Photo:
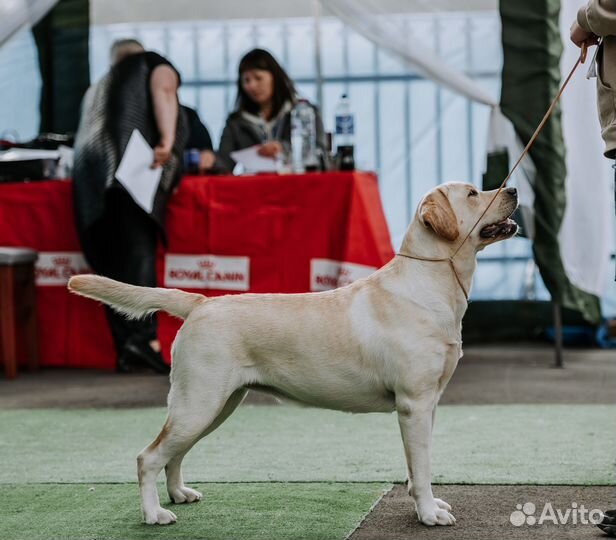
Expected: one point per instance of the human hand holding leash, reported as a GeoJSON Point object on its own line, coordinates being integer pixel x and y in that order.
{"type": "Point", "coordinates": [581, 37]}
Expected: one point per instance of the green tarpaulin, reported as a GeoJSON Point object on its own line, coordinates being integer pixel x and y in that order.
{"type": "Point", "coordinates": [62, 40]}
{"type": "Point", "coordinates": [531, 78]}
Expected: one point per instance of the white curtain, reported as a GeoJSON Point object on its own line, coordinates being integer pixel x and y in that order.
{"type": "Point", "coordinates": [370, 21]}
{"type": "Point", "coordinates": [587, 233]}
{"type": "Point", "coordinates": [15, 14]}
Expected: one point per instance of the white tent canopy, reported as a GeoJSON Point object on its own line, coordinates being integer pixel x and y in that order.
{"type": "Point", "coordinates": [371, 21]}
{"type": "Point", "coordinates": [121, 11]}
{"type": "Point", "coordinates": [15, 14]}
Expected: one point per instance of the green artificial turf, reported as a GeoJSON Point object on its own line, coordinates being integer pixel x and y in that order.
{"type": "Point", "coordinates": [485, 444]}
{"type": "Point", "coordinates": [228, 511]}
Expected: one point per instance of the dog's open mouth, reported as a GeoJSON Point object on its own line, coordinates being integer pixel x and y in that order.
{"type": "Point", "coordinates": [502, 229]}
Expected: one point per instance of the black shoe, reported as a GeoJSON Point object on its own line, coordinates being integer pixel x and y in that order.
{"type": "Point", "coordinates": [147, 356]}
{"type": "Point", "coordinates": [128, 362]}
{"type": "Point", "coordinates": [608, 524]}
{"type": "Point", "coordinates": [124, 363]}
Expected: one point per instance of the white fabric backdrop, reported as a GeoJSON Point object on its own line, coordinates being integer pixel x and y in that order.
{"type": "Point", "coordinates": [14, 14]}
{"type": "Point", "coordinates": [369, 20]}
{"type": "Point", "coordinates": [587, 233]}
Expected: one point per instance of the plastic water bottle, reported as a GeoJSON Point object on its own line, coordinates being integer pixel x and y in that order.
{"type": "Point", "coordinates": [303, 138]}
{"type": "Point", "coordinates": [345, 134]}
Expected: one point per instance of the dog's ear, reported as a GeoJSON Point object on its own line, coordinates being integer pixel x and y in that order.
{"type": "Point", "coordinates": [436, 212]}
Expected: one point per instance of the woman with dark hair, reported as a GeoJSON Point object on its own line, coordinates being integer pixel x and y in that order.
{"type": "Point", "coordinates": [262, 116]}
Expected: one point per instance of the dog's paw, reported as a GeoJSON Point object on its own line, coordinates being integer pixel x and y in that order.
{"type": "Point", "coordinates": [434, 515]}
{"type": "Point", "coordinates": [160, 517]}
{"type": "Point", "coordinates": [442, 504]}
{"type": "Point", "coordinates": [184, 495]}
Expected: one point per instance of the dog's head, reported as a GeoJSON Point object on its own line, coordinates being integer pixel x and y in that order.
{"type": "Point", "coordinates": [451, 210]}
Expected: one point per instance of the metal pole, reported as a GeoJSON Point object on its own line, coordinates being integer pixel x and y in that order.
{"type": "Point", "coordinates": [317, 50]}
{"type": "Point", "coordinates": [558, 336]}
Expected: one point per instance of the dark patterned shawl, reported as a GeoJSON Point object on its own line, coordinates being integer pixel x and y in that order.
{"type": "Point", "coordinates": [111, 109]}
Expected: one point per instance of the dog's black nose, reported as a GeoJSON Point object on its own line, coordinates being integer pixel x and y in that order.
{"type": "Point", "coordinates": [512, 191]}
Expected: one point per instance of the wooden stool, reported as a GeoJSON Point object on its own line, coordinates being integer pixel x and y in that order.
{"type": "Point", "coordinates": [17, 308]}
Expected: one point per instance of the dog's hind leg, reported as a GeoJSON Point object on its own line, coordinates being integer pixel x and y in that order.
{"type": "Point", "coordinates": [178, 492]}
{"type": "Point", "coordinates": [187, 421]}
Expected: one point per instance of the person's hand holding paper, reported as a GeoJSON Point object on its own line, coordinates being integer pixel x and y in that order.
{"type": "Point", "coordinates": [136, 174]}
{"type": "Point", "coordinates": [252, 161]}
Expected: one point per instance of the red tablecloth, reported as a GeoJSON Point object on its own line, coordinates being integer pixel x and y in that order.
{"type": "Point", "coordinates": [262, 233]}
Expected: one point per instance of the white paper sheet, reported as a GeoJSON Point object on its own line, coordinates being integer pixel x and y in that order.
{"type": "Point", "coordinates": [252, 161]}
{"type": "Point", "coordinates": [135, 172]}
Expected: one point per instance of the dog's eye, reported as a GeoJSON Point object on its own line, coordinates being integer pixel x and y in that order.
{"type": "Point", "coordinates": [473, 193]}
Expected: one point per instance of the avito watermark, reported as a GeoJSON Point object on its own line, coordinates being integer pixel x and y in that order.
{"type": "Point", "coordinates": [574, 515]}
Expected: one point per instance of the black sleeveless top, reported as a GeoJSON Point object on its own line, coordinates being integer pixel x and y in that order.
{"type": "Point", "coordinates": [113, 107]}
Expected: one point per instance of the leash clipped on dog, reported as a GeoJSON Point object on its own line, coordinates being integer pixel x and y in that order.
{"type": "Point", "coordinates": [581, 59]}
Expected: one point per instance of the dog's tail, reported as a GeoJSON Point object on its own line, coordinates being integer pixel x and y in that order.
{"type": "Point", "coordinates": [133, 301]}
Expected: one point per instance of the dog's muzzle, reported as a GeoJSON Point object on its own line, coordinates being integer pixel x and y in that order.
{"type": "Point", "coordinates": [507, 227]}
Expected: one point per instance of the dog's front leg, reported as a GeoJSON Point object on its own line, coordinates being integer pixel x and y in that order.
{"type": "Point", "coordinates": [415, 419]}
{"type": "Point", "coordinates": [440, 502]}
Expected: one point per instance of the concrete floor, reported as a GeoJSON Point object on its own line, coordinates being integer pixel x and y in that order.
{"type": "Point", "coordinates": [484, 512]}
{"type": "Point", "coordinates": [485, 375]}
{"type": "Point", "coordinates": [526, 374]}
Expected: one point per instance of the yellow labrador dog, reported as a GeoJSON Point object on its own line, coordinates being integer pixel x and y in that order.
{"type": "Point", "coordinates": [389, 342]}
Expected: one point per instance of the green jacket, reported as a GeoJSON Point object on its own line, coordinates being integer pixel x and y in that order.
{"type": "Point", "coordinates": [599, 17]}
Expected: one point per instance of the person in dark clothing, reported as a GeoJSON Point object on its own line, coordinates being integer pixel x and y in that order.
{"type": "Point", "coordinates": [262, 116]}
{"type": "Point", "coordinates": [198, 135]}
{"type": "Point", "coordinates": [199, 139]}
{"type": "Point", "coordinates": [117, 236]}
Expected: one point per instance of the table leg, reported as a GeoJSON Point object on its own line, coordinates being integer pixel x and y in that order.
{"type": "Point", "coordinates": [8, 350]}
{"type": "Point", "coordinates": [31, 330]}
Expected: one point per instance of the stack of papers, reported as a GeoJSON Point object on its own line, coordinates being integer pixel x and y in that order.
{"type": "Point", "coordinates": [28, 154]}
{"type": "Point", "coordinates": [252, 162]}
